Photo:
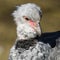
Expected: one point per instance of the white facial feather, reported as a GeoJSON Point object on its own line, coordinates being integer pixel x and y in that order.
{"type": "Point", "coordinates": [33, 12]}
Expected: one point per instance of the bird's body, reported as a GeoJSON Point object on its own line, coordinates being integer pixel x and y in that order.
{"type": "Point", "coordinates": [28, 45]}
{"type": "Point", "coordinates": [36, 51]}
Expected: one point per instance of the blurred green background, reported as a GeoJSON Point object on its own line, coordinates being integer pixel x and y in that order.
{"type": "Point", "coordinates": [50, 21]}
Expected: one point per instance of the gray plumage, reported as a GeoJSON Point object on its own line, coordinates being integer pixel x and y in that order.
{"type": "Point", "coordinates": [39, 51]}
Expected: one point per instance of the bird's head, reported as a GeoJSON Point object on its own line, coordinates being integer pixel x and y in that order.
{"type": "Point", "coordinates": [27, 18]}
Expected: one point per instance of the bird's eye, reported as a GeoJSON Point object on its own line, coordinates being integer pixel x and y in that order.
{"type": "Point", "coordinates": [26, 18]}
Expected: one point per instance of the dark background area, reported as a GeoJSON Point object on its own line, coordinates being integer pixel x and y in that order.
{"type": "Point", "coordinates": [50, 21]}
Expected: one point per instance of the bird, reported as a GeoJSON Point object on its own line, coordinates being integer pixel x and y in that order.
{"type": "Point", "coordinates": [29, 44]}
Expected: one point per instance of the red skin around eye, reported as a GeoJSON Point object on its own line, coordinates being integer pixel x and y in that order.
{"type": "Point", "coordinates": [32, 23]}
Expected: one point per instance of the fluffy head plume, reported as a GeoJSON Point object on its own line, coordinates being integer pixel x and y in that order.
{"type": "Point", "coordinates": [30, 10]}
